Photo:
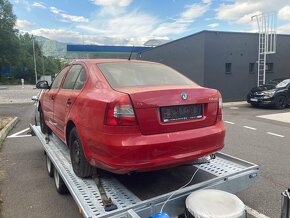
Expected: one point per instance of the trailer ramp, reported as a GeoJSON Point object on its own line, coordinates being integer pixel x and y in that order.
{"type": "Point", "coordinates": [224, 172]}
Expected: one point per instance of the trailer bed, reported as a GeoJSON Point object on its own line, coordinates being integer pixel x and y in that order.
{"type": "Point", "coordinates": [143, 194]}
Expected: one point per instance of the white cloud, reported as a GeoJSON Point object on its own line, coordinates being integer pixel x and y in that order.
{"type": "Point", "coordinates": [22, 24]}
{"type": "Point", "coordinates": [38, 5]}
{"type": "Point", "coordinates": [135, 27]}
{"type": "Point", "coordinates": [55, 10]}
{"type": "Point", "coordinates": [240, 11]}
{"type": "Point", "coordinates": [181, 24]}
{"type": "Point", "coordinates": [67, 17]}
{"type": "Point", "coordinates": [68, 36]}
{"type": "Point", "coordinates": [285, 29]}
{"type": "Point", "coordinates": [25, 3]}
{"type": "Point", "coordinates": [207, 1]}
{"type": "Point", "coordinates": [119, 3]}
{"type": "Point", "coordinates": [192, 12]}
{"type": "Point", "coordinates": [213, 25]}
{"type": "Point", "coordinates": [284, 13]}
{"type": "Point", "coordinates": [122, 26]}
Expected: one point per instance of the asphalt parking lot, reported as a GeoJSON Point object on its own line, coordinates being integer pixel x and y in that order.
{"type": "Point", "coordinates": [27, 191]}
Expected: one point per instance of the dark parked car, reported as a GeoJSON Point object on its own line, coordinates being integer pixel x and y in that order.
{"type": "Point", "coordinates": [274, 93]}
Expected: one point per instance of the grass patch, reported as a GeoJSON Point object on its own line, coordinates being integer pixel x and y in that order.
{"type": "Point", "coordinates": [4, 121]}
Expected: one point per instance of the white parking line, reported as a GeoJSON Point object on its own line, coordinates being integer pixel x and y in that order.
{"type": "Point", "coordinates": [248, 127]}
{"type": "Point", "coordinates": [274, 134]}
{"type": "Point", "coordinates": [234, 108]}
{"type": "Point", "coordinates": [17, 135]}
{"type": "Point", "coordinates": [255, 213]}
{"type": "Point", "coordinates": [229, 122]}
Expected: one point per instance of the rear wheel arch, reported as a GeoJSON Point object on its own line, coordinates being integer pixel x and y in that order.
{"type": "Point", "coordinates": [69, 126]}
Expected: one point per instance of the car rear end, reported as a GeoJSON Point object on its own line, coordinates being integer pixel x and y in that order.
{"type": "Point", "coordinates": [160, 120]}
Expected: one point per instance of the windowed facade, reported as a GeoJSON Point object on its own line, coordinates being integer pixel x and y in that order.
{"type": "Point", "coordinates": [269, 68]}
{"type": "Point", "coordinates": [251, 67]}
{"type": "Point", "coordinates": [228, 68]}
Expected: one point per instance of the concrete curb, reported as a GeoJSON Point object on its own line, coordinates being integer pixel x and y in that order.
{"type": "Point", "coordinates": [236, 103]}
{"type": "Point", "coordinates": [4, 132]}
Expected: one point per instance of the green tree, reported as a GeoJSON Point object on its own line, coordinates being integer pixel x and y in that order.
{"type": "Point", "coordinates": [8, 37]}
{"type": "Point", "coordinates": [16, 50]}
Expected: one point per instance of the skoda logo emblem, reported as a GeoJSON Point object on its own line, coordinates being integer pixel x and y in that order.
{"type": "Point", "coordinates": [183, 96]}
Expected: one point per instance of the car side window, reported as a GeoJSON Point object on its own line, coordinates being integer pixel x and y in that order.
{"type": "Point", "coordinates": [71, 77]}
{"type": "Point", "coordinates": [57, 81]}
{"type": "Point", "coordinates": [81, 80]}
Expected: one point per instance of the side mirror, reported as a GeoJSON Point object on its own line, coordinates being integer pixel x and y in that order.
{"type": "Point", "coordinates": [34, 98]}
{"type": "Point", "coordinates": [42, 85]}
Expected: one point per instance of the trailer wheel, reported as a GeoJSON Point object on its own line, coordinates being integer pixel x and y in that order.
{"type": "Point", "coordinates": [44, 128]}
{"type": "Point", "coordinates": [59, 183]}
{"type": "Point", "coordinates": [79, 162]}
{"type": "Point", "coordinates": [49, 166]}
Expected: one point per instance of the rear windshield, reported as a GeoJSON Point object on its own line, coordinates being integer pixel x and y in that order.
{"type": "Point", "coordinates": [131, 74]}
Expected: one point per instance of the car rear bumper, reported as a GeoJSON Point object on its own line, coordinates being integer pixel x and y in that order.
{"type": "Point", "coordinates": [138, 153]}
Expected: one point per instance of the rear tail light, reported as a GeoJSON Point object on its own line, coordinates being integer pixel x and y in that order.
{"type": "Point", "coordinates": [220, 107]}
{"type": "Point", "coordinates": [120, 113]}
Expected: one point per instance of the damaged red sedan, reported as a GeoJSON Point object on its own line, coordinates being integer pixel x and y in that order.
{"type": "Point", "coordinates": [130, 116]}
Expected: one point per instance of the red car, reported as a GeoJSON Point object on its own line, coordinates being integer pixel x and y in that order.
{"type": "Point", "coordinates": [130, 116]}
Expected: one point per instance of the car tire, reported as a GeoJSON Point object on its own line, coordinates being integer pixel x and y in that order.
{"type": "Point", "coordinates": [280, 102]}
{"type": "Point", "coordinates": [59, 183]}
{"type": "Point", "coordinates": [79, 162]}
{"type": "Point", "coordinates": [49, 166]}
{"type": "Point", "coordinates": [44, 128]}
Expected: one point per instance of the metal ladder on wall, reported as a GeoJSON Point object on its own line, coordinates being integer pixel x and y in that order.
{"type": "Point", "coordinates": [262, 57]}
{"type": "Point", "coordinates": [267, 26]}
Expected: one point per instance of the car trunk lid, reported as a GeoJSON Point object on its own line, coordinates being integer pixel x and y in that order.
{"type": "Point", "coordinates": [173, 108]}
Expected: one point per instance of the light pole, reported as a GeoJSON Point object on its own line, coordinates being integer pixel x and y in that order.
{"type": "Point", "coordinates": [34, 59]}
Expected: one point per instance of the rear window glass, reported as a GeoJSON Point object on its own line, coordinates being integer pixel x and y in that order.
{"type": "Point", "coordinates": [131, 74]}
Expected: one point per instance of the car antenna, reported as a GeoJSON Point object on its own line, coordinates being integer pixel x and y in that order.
{"type": "Point", "coordinates": [131, 53]}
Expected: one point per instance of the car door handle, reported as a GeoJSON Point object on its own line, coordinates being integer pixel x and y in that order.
{"type": "Point", "coordinates": [69, 101]}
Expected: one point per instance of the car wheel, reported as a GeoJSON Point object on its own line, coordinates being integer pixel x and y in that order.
{"type": "Point", "coordinates": [44, 128]}
{"type": "Point", "coordinates": [59, 183]}
{"type": "Point", "coordinates": [280, 102]}
{"type": "Point", "coordinates": [79, 162]}
{"type": "Point", "coordinates": [49, 166]}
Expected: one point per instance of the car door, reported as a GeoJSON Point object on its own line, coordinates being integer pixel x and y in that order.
{"type": "Point", "coordinates": [65, 97]}
{"type": "Point", "coordinates": [49, 96]}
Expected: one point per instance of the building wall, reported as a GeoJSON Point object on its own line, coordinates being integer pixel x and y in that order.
{"type": "Point", "coordinates": [202, 57]}
{"type": "Point", "coordinates": [237, 49]}
{"type": "Point", "coordinates": [240, 49]}
{"type": "Point", "coordinates": [184, 55]}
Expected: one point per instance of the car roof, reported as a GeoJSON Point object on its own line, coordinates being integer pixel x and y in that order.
{"type": "Point", "coordinates": [99, 61]}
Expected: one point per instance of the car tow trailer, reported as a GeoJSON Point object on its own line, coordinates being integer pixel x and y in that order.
{"type": "Point", "coordinates": [224, 173]}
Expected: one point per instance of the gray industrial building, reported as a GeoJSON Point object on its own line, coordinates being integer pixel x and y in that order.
{"type": "Point", "coordinates": [226, 61]}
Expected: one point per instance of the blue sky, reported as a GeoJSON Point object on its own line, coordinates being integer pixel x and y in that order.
{"type": "Point", "coordinates": [133, 22]}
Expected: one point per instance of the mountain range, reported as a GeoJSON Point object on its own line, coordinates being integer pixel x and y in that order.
{"type": "Point", "coordinates": [51, 47]}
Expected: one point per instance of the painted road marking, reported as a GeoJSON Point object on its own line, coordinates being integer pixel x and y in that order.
{"type": "Point", "coordinates": [17, 135]}
{"type": "Point", "coordinates": [255, 213]}
{"type": "Point", "coordinates": [234, 108]}
{"type": "Point", "coordinates": [248, 127]}
{"type": "Point", "coordinates": [281, 117]}
{"type": "Point", "coordinates": [274, 134]}
{"type": "Point", "coordinates": [229, 122]}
